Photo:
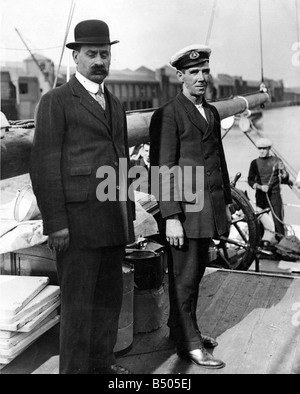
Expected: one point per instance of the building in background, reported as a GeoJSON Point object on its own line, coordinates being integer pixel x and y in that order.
{"type": "Point", "coordinates": [23, 84]}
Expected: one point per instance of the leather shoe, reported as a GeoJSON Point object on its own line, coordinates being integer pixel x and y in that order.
{"type": "Point", "coordinates": [206, 340]}
{"type": "Point", "coordinates": [202, 358]}
{"type": "Point", "coordinates": [113, 369]}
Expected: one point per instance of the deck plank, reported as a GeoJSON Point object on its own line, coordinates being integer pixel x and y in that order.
{"type": "Point", "coordinates": [255, 358]}
{"type": "Point", "coordinates": [234, 329]}
{"type": "Point", "coordinates": [283, 351]}
{"type": "Point", "coordinates": [252, 315]}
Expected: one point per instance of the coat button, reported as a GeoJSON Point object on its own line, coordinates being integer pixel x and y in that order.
{"type": "Point", "coordinates": [118, 188]}
{"type": "Point", "coordinates": [208, 173]}
{"type": "Point", "coordinates": [116, 163]}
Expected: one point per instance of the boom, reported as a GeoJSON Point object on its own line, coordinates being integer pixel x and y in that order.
{"type": "Point", "coordinates": [16, 144]}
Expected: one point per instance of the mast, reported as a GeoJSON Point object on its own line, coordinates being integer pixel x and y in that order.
{"type": "Point", "coordinates": [32, 55]}
{"type": "Point", "coordinates": [71, 13]}
{"type": "Point", "coordinates": [297, 21]}
{"type": "Point", "coordinates": [211, 23]}
{"type": "Point", "coordinates": [261, 46]}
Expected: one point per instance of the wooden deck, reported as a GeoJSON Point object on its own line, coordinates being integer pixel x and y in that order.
{"type": "Point", "coordinates": [255, 318]}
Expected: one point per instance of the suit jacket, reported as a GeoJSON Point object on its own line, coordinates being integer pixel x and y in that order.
{"type": "Point", "coordinates": [73, 139]}
{"type": "Point", "coordinates": [180, 136]}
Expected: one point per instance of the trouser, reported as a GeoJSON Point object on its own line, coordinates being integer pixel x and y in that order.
{"type": "Point", "coordinates": [186, 268]}
{"type": "Point", "coordinates": [278, 218]}
{"type": "Point", "coordinates": [91, 297]}
{"type": "Point", "coordinates": [276, 208]}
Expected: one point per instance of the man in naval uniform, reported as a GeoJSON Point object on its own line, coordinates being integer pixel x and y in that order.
{"type": "Point", "coordinates": [185, 133]}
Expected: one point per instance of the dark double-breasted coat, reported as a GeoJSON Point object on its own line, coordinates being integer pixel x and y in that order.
{"type": "Point", "coordinates": [180, 136]}
{"type": "Point", "coordinates": [73, 139]}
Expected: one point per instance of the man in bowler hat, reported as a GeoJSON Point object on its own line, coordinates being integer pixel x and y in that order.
{"type": "Point", "coordinates": [185, 133]}
{"type": "Point", "coordinates": [80, 128]}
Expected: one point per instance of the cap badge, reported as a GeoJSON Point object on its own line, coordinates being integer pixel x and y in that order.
{"type": "Point", "coordinates": [194, 55]}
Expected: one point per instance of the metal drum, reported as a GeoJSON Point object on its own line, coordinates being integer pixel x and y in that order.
{"type": "Point", "coordinates": [148, 268]}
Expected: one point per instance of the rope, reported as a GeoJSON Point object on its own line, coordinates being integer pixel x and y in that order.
{"type": "Point", "coordinates": [211, 23]}
{"type": "Point", "coordinates": [289, 167]}
{"type": "Point", "coordinates": [297, 21]}
{"type": "Point", "coordinates": [270, 204]}
{"type": "Point", "coordinates": [261, 46]}
{"type": "Point", "coordinates": [287, 226]}
{"type": "Point", "coordinates": [246, 101]}
{"type": "Point", "coordinates": [65, 39]}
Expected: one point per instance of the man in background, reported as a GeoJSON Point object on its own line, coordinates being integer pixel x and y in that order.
{"type": "Point", "coordinates": [142, 182]}
{"type": "Point", "coordinates": [266, 174]}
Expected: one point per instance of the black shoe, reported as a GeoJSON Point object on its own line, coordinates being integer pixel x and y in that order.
{"type": "Point", "coordinates": [113, 369]}
{"type": "Point", "coordinates": [202, 358]}
{"type": "Point", "coordinates": [206, 340]}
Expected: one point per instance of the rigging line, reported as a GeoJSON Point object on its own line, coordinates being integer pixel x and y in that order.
{"type": "Point", "coordinates": [275, 151]}
{"type": "Point", "coordinates": [297, 21]}
{"type": "Point", "coordinates": [71, 13]}
{"type": "Point", "coordinates": [36, 49]}
{"type": "Point", "coordinates": [211, 23]}
{"type": "Point", "coordinates": [32, 54]}
{"type": "Point", "coordinates": [261, 46]}
{"type": "Point", "coordinates": [291, 169]}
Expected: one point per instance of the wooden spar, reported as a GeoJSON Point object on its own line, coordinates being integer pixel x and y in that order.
{"type": "Point", "coordinates": [138, 122]}
{"type": "Point", "coordinates": [16, 145]}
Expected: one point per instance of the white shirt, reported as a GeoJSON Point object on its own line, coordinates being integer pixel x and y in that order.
{"type": "Point", "coordinates": [90, 86]}
{"type": "Point", "coordinates": [201, 110]}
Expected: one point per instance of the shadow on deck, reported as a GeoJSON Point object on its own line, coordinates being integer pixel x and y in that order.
{"type": "Point", "coordinates": [255, 318]}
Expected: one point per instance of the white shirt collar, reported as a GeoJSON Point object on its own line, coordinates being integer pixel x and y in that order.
{"type": "Point", "coordinates": [89, 85]}
{"type": "Point", "coordinates": [200, 108]}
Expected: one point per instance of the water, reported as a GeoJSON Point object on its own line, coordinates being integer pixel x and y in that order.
{"type": "Point", "coordinates": [282, 126]}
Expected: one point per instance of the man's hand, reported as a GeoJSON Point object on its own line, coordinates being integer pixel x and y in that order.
{"type": "Point", "coordinates": [265, 188]}
{"type": "Point", "coordinates": [174, 232]}
{"type": "Point", "coordinates": [59, 240]}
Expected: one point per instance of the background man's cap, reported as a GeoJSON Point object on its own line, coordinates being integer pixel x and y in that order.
{"type": "Point", "coordinates": [91, 32]}
{"type": "Point", "coordinates": [190, 56]}
{"type": "Point", "coordinates": [264, 143]}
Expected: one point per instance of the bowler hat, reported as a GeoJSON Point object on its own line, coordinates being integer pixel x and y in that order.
{"type": "Point", "coordinates": [91, 32]}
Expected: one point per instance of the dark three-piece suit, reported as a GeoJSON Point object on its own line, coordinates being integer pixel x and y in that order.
{"type": "Point", "coordinates": [74, 137]}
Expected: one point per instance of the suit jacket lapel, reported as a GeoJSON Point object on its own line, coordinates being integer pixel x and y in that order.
{"type": "Point", "coordinates": [210, 119]}
{"type": "Point", "coordinates": [113, 112]}
{"type": "Point", "coordinates": [89, 102]}
{"type": "Point", "coordinates": [196, 118]}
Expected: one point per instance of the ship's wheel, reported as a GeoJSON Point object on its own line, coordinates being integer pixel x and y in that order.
{"type": "Point", "coordinates": [238, 249]}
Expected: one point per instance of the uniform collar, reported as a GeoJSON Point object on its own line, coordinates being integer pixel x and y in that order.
{"type": "Point", "coordinates": [89, 85]}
